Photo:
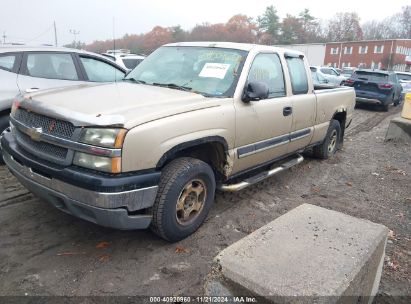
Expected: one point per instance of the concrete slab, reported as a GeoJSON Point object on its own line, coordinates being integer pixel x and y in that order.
{"type": "Point", "coordinates": [399, 130]}
{"type": "Point", "coordinates": [318, 254]}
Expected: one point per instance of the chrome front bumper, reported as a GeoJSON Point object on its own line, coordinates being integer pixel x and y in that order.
{"type": "Point", "coordinates": [106, 209]}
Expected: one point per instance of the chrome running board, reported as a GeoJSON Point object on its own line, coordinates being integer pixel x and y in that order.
{"type": "Point", "coordinates": [261, 176]}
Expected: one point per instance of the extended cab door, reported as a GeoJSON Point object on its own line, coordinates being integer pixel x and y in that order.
{"type": "Point", "coordinates": [303, 102]}
{"type": "Point", "coordinates": [46, 70]}
{"type": "Point", "coordinates": [263, 127]}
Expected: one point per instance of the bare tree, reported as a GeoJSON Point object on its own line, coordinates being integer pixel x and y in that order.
{"type": "Point", "coordinates": [344, 27]}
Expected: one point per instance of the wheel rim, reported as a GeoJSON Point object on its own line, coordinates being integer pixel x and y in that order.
{"type": "Point", "coordinates": [191, 201]}
{"type": "Point", "coordinates": [333, 141]}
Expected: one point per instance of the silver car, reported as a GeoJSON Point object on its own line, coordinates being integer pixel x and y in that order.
{"type": "Point", "coordinates": [26, 69]}
{"type": "Point", "coordinates": [330, 74]}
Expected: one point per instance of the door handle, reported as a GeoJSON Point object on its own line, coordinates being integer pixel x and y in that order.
{"type": "Point", "coordinates": [287, 111]}
{"type": "Point", "coordinates": [32, 90]}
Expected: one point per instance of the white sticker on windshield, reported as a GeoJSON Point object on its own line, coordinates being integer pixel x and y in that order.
{"type": "Point", "coordinates": [214, 70]}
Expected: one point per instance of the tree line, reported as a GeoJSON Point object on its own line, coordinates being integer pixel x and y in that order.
{"type": "Point", "coordinates": [268, 28]}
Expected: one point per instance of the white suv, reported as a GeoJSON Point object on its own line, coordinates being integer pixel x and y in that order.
{"type": "Point", "coordinates": [124, 58]}
{"type": "Point", "coordinates": [330, 74]}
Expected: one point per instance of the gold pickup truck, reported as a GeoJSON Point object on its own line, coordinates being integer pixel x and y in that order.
{"type": "Point", "coordinates": [191, 118]}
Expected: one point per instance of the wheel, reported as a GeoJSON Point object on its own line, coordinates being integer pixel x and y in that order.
{"type": "Point", "coordinates": [4, 124]}
{"type": "Point", "coordinates": [398, 101]}
{"type": "Point", "coordinates": [184, 198]}
{"type": "Point", "coordinates": [331, 142]}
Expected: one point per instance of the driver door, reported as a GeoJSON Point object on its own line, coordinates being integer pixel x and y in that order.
{"type": "Point", "coordinates": [263, 127]}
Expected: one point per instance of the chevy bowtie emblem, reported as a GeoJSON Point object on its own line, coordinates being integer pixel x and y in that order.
{"type": "Point", "coordinates": [35, 133]}
{"type": "Point", "coordinates": [52, 125]}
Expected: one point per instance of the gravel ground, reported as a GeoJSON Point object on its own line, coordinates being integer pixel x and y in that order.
{"type": "Point", "coordinates": [46, 252]}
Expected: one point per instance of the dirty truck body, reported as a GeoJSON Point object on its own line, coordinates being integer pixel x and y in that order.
{"type": "Point", "coordinates": [190, 119]}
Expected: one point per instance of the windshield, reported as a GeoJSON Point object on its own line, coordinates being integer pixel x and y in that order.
{"type": "Point", "coordinates": [208, 71]}
{"type": "Point", "coordinates": [406, 77]}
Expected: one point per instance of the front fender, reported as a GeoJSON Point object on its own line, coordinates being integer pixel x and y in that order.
{"type": "Point", "coordinates": [146, 145]}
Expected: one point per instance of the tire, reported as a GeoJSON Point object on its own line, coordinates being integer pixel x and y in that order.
{"type": "Point", "coordinates": [184, 198]}
{"type": "Point", "coordinates": [331, 142]}
{"type": "Point", "coordinates": [398, 101]}
{"type": "Point", "coordinates": [4, 124]}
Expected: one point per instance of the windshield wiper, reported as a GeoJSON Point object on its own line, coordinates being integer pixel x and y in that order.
{"type": "Point", "coordinates": [135, 80]}
{"type": "Point", "coordinates": [172, 86]}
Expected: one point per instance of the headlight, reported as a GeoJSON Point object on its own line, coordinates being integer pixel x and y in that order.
{"type": "Point", "coordinates": [110, 138]}
{"type": "Point", "coordinates": [105, 164]}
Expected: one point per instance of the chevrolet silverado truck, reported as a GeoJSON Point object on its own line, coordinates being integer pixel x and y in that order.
{"type": "Point", "coordinates": [192, 118]}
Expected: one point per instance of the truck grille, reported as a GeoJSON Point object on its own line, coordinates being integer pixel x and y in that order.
{"type": "Point", "coordinates": [41, 149]}
{"type": "Point", "coordinates": [49, 125]}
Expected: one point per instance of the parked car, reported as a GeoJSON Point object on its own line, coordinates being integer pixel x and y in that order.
{"type": "Point", "coordinates": [339, 71]}
{"type": "Point", "coordinates": [319, 81]}
{"type": "Point", "coordinates": [124, 58]}
{"type": "Point", "coordinates": [331, 75]}
{"type": "Point", "coordinates": [405, 80]}
{"type": "Point", "coordinates": [376, 87]}
{"type": "Point", "coordinates": [192, 117]}
{"type": "Point", "coordinates": [404, 77]}
{"type": "Point", "coordinates": [25, 69]}
{"type": "Point", "coordinates": [348, 71]}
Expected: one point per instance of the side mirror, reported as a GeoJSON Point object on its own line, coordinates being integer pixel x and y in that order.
{"type": "Point", "coordinates": [255, 90]}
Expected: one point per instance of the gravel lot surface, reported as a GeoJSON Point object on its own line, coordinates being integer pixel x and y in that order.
{"type": "Point", "coordinates": [46, 252]}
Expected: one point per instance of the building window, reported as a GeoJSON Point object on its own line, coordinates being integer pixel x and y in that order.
{"type": "Point", "coordinates": [334, 51]}
{"type": "Point", "coordinates": [348, 50]}
{"type": "Point", "coordinates": [363, 50]}
{"type": "Point", "coordinates": [379, 65]}
{"type": "Point", "coordinates": [335, 64]}
{"type": "Point", "coordinates": [343, 65]}
{"type": "Point", "coordinates": [378, 49]}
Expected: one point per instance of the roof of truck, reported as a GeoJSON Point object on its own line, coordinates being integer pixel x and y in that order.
{"type": "Point", "coordinates": [233, 45]}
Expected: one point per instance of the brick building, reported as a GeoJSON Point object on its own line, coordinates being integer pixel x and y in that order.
{"type": "Point", "coordinates": [379, 54]}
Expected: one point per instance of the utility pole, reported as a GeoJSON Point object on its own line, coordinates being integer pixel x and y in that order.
{"type": "Point", "coordinates": [4, 37]}
{"type": "Point", "coordinates": [55, 33]}
{"type": "Point", "coordinates": [75, 33]}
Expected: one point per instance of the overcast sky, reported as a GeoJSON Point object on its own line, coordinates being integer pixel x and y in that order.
{"type": "Point", "coordinates": [30, 21]}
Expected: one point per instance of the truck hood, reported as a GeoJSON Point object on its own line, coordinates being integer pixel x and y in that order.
{"type": "Point", "coordinates": [119, 104]}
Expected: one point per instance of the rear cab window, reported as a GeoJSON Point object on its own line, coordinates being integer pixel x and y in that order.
{"type": "Point", "coordinates": [51, 66]}
{"type": "Point", "coordinates": [298, 74]}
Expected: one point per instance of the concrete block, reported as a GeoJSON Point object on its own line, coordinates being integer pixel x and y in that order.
{"type": "Point", "coordinates": [399, 130]}
{"type": "Point", "coordinates": [308, 255]}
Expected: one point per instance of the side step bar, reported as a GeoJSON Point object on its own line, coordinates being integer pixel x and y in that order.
{"type": "Point", "coordinates": [261, 176]}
